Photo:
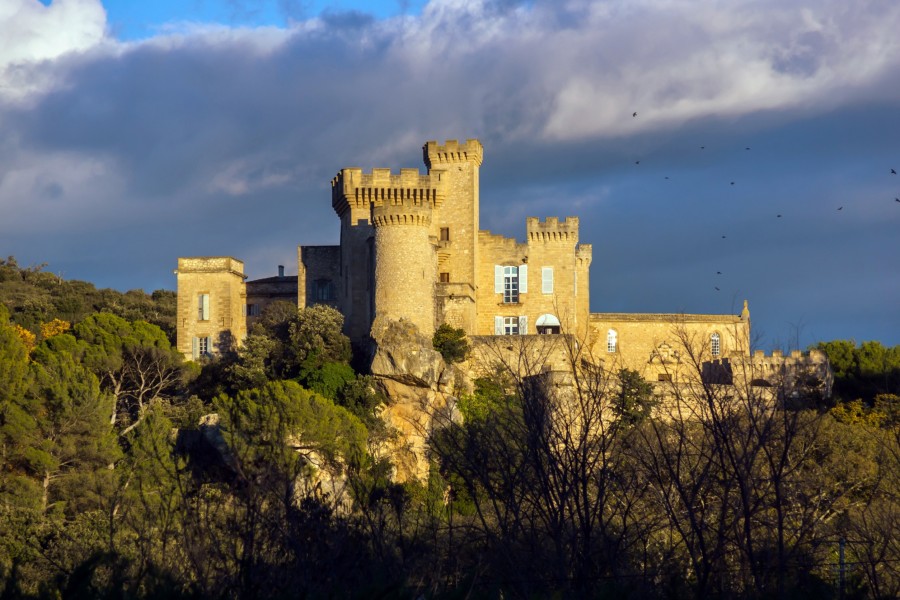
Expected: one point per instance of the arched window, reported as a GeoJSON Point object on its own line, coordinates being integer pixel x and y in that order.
{"type": "Point", "coordinates": [612, 339]}
{"type": "Point", "coordinates": [715, 344]}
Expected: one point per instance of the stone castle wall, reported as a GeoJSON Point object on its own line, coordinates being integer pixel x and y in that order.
{"type": "Point", "coordinates": [658, 345]}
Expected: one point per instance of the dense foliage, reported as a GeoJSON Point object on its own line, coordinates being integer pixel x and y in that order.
{"type": "Point", "coordinates": [35, 297]}
{"type": "Point", "coordinates": [127, 472]}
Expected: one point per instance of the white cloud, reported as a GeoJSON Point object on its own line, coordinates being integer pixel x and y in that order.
{"type": "Point", "coordinates": [32, 33]}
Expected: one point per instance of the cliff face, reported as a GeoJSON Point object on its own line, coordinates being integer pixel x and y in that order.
{"type": "Point", "coordinates": [421, 389]}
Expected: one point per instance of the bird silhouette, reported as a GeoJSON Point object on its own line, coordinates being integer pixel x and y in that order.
{"type": "Point", "coordinates": [717, 289]}
{"type": "Point", "coordinates": [637, 162]}
{"type": "Point", "coordinates": [896, 199]}
{"type": "Point", "coordinates": [747, 148]}
{"type": "Point", "coordinates": [634, 114]}
{"type": "Point", "coordinates": [723, 237]}
{"type": "Point", "coordinates": [841, 208]}
{"type": "Point", "coordinates": [702, 147]}
{"type": "Point", "coordinates": [732, 183]}
{"type": "Point", "coordinates": [779, 216]}
{"type": "Point", "coordinates": [893, 172]}
{"type": "Point", "coordinates": [667, 176]}
{"type": "Point", "coordinates": [718, 272]}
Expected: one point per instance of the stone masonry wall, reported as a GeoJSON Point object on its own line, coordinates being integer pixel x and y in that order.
{"type": "Point", "coordinates": [223, 279]}
{"type": "Point", "coordinates": [654, 344]}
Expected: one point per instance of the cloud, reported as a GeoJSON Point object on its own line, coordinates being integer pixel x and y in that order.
{"type": "Point", "coordinates": [33, 33]}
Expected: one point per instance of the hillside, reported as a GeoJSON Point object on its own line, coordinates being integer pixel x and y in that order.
{"type": "Point", "coordinates": [34, 296]}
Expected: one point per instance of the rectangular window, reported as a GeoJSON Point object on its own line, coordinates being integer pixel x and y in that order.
{"type": "Point", "coordinates": [510, 325]}
{"type": "Point", "coordinates": [547, 280]}
{"type": "Point", "coordinates": [324, 290]}
{"type": "Point", "coordinates": [510, 285]}
{"type": "Point", "coordinates": [664, 377]}
{"type": "Point", "coordinates": [445, 234]}
{"type": "Point", "coordinates": [203, 307]}
{"type": "Point", "coordinates": [252, 310]}
{"type": "Point", "coordinates": [201, 346]}
{"type": "Point", "coordinates": [445, 277]}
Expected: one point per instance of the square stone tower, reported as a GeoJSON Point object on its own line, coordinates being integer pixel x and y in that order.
{"type": "Point", "coordinates": [211, 314]}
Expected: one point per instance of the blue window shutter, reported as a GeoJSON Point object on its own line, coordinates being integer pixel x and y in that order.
{"type": "Point", "coordinates": [523, 279]}
{"type": "Point", "coordinates": [498, 325]}
{"type": "Point", "coordinates": [498, 279]}
{"type": "Point", "coordinates": [523, 325]}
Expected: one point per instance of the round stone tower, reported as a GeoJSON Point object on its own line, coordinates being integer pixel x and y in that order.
{"type": "Point", "coordinates": [405, 261]}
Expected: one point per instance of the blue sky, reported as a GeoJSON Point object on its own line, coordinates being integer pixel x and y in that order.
{"type": "Point", "coordinates": [136, 20]}
{"type": "Point", "coordinates": [132, 133]}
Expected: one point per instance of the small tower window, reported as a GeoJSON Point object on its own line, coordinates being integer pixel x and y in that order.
{"type": "Point", "coordinates": [445, 234]}
{"type": "Point", "coordinates": [324, 290]}
{"type": "Point", "coordinates": [445, 278]}
{"type": "Point", "coordinates": [612, 340]}
{"type": "Point", "coordinates": [715, 344]}
{"type": "Point", "coordinates": [203, 307]}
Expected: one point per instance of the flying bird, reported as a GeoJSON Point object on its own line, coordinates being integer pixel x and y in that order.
{"type": "Point", "coordinates": [893, 172]}
{"type": "Point", "coordinates": [732, 183]}
{"type": "Point", "coordinates": [718, 272]}
{"type": "Point", "coordinates": [637, 162]}
{"type": "Point", "coordinates": [717, 289]}
{"type": "Point", "coordinates": [634, 114]}
{"type": "Point", "coordinates": [702, 147]}
{"type": "Point", "coordinates": [667, 176]}
{"type": "Point", "coordinates": [896, 199]}
{"type": "Point", "coordinates": [841, 208]}
{"type": "Point", "coordinates": [747, 148]}
{"type": "Point", "coordinates": [723, 237]}
{"type": "Point", "coordinates": [779, 216]}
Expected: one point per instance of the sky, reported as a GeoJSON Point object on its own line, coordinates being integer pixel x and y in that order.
{"type": "Point", "coordinates": [758, 165]}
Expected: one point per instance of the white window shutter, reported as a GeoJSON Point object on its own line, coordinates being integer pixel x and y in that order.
{"type": "Point", "coordinates": [195, 348]}
{"type": "Point", "coordinates": [498, 279]}
{"type": "Point", "coordinates": [523, 325]}
{"type": "Point", "coordinates": [204, 304]}
{"type": "Point", "coordinates": [498, 325]}
{"type": "Point", "coordinates": [523, 279]}
{"type": "Point", "coordinates": [209, 347]}
{"type": "Point", "coordinates": [547, 280]}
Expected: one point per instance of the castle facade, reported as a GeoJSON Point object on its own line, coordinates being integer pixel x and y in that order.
{"type": "Point", "coordinates": [411, 248]}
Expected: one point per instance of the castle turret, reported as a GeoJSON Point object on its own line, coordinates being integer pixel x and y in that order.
{"type": "Point", "coordinates": [455, 226]}
{"type": "Point", "coordinates": [405, 262]}
{"type": "Point", "coordinates": [357, 197]}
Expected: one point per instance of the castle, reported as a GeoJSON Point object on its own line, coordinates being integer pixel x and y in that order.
{"type": "Point", "coordinates": [411, 248]}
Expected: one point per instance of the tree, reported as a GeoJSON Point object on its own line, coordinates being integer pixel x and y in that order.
{"type": "Point", "coordinates": [451, 343]}
{"type": "Point", "coordinates": [134, 361]}
{"type": "Point", "coordinates": [75, 444]}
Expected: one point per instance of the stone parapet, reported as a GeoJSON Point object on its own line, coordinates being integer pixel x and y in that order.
{"type": "Point", "coordinates": [210, 264]}
{"type": "Point", "coordinates": [551, 230]}
{"type": "Point", "coordinates": [452, 152]}
{"type": "Point", "coordinates": [351, 188]}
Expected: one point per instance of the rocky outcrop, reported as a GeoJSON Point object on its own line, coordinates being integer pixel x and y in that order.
{"type": "Point", "coordinates": [421, 390]}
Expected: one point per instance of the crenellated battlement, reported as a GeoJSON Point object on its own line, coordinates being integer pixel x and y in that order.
{"type": "Point", "coordinates": [814, 356]}
{"type": "Point", "coordinates": [401, 212]}
{"type": "Point", "coordinates": [584, 253]}
{"type": "Point", "coordinates": [551, 230]}
{"type": "Point", "coordinates": [351, 188]}
{"type": "Point", "coordinates": [452, 152]}
{"type": "Point", "coordinates": [496, 240]}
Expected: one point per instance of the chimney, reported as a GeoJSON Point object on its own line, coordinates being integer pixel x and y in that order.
{"type": "Point", "coordinates": [281, 270]}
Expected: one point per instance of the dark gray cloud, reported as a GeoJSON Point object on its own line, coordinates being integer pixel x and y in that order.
{"type": "Point", "coordinates": [121, 158]}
